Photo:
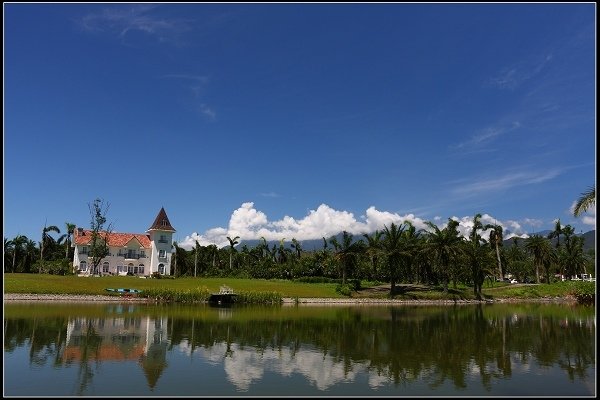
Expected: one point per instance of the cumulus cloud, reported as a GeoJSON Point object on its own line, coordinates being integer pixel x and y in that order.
{"type": "Point", "coordinates": [251, 224]}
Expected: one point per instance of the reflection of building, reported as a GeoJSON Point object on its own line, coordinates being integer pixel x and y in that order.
{"type": "Point", "coordinates": [135, 253]}
{"type": "Point", "coordinates": [120, 338]}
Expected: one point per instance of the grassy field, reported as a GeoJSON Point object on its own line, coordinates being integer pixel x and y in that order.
{"type": "Point", "coordinates": [52, 284]}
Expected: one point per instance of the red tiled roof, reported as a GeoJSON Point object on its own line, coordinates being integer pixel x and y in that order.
{"type": "Point", "coordinates": [161, 222]}
{"type": "Point", "coordinates": [114, 239]}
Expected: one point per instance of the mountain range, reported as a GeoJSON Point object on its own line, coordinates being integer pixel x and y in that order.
{"type": "Point", "coordinates": [317, 244]}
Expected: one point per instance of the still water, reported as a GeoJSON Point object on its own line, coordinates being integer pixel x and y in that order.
{"type": "Point", "coordinates": [182, 350]}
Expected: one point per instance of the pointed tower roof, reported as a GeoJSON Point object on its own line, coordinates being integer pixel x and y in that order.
{"type": "Point", "coordinates": [161, 223]}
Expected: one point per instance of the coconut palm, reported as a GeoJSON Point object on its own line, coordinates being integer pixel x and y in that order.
{"type": "Point", "coordinates": [346, 252]}
{"type": "Point", "coordinates": [558, 230]}
{"type": "Point", "coordinates": [445, 247]}
{"type": "Point", "coordinates": [46, 238]}
{"type": "Point", "coordinates": [394, 251]}
{"type": "Point", "coordinates": [373, 249]}
{"type": "Point", "coordinates": [17, 247]}
{"type": "Point", "coordinates": [70, 229]}
{"type": "Point", "coordinates": [541, 250]}
{"type": "Point", "coordinates": [232, 243]}
{"type": "Point", "coordinates": [297, 247]}
{"type": "Point", "coordinates": [585, 201]}
{"type": "Point", "coordinates": [496, 239]}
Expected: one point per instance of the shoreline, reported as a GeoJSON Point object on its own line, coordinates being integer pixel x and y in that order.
{"type": "Point", "coordinates": [32, 297]}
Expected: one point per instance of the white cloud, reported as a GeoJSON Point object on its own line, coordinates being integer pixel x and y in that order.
{"type": "Point", "coordinates": [122, 20]}
{"type": "Point", "coordinates": [208, 112]}
{"type": "Point", "coordinates": [251, 224]}
{"type": "Point", "coordinates": [491, 184]}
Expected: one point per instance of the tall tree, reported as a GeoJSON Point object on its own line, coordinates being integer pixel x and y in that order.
{"type": "Point", "coordinates": [541, 250]}
{"type": "Point", "coordinates": [297, 247]}
{"type": "Point", "coordinates": [346, 252]}
{"type": "Point", "coordinates": [232, 243]}
{"type": "Point", "coordinates": [445, 247]}
{"type": "Point", "coordinates": [558, 230]}
{"type": "Point", "coordinates": [585, 201]}
{"type": "Point", "coordinates": [100, 233]}
{"type": "Point", "coordinates": [373, 249]}
{"type": "Point", "coordinates": [196, 251]}
{"type": "Point", "coordinates": [46, 238]}
{"type": "Point", "coordinates": [393, 251]}
{"type": "Point", "coordinates": [17, 247]}
{"type": "Point", "coordinates": [496, 240]}
{"type": "Point", "coordinates": [69, 228]}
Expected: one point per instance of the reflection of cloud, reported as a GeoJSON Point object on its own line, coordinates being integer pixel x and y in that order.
{"type": "Point", "coordinates": [245, 365]}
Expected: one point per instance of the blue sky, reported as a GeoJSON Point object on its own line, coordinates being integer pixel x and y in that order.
{"type": "Point", "coordinates": [297, 120]}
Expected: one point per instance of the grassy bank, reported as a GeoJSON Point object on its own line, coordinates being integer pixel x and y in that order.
{"type": "Point", "coordinates": [260, 290]}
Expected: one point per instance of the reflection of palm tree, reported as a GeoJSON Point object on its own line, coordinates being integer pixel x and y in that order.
{"type": "Point", "coordinates": [585, 201]}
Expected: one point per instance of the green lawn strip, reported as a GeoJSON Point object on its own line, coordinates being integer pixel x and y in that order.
{"type": "Point", "coordinates": [53, 284]}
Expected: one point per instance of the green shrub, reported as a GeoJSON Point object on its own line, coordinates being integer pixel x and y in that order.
{"type": "Point", "coordinates": [584, 292]}
{"type": "Point", "coordinates": [344, 290]}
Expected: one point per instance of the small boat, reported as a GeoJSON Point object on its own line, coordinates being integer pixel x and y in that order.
{"type": "Point", "coordinates": [225, 296]}
{"type": "Point", "coordinates": [124, 291]}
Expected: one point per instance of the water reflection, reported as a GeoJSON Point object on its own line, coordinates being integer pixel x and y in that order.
{"type": "Point", "coordinates": [465, 350]}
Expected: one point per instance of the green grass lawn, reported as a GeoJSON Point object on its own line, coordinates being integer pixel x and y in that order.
{"type": "Point", "coordinates": [53, 284]}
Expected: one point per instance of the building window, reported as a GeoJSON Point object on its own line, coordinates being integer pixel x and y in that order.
{"type": "Point", "coordinates": [162, 254]}
{"type": "Point", "coordinates": [130, 268]}
{"type": "Point", "coordinates": [84, 250]}
{"type": "Point", "coordinates": [105, 267]}
{"type": "Point", "coordinates": [120, 269]}
{"type": "Point", "coordinates": [142, 254]}
{"type": "Point", "coordinates": [161, 269]}
{"type": "Point", "coordinates": [83, 266]}
{"type": "Point", "coordinates": [141, 268]}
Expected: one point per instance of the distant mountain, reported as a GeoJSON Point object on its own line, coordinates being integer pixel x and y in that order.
{"type": "Point", "coordinates": [589, 239]}
{"type": "Point", "coordinates": [317, 244]}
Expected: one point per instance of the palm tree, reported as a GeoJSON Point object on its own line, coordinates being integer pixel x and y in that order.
{"type": "Point", "coordinates": [346, 252]}
{"type": "Point", "coordinates": [394, 251]}
{"type": "Point", "coordinates": [373, 249]}
{"type": "Point", "coordinates": [197, 249]}
{"type": "Point", "coordinates": [45, 241]}
{"type": "Point", "coordinates": [17, 247]}
{"type": "Point", "coordinates": [539, 247]}
{"type": "Point", "coordinates": [70, 229]}
{"type": "Point", "coordinates": [558, 230]}
{"type": "Point", "coordinates": [296, 246]}
{"type": "Point", "coordinates": [232, 243]}
{"type": "Point", "coordinates": [496, 239]}
{"type": "Point", "coordinates": [585, 201]}
{"type": "Point", "coordinates": [445, 247]}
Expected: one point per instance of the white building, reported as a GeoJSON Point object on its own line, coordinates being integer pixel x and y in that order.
{"type": "Point", "coordinates": [139, 253]}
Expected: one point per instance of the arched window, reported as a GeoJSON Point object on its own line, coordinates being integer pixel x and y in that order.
{"type": "Point", "coordinates": [83, 266]}
{"type": "Point", "coordinates": [120, 269]}
{"type": "Point", "coordinates": [105, 266]}
{"type": "Point", "coordinates": [141, 268]}
{"type": "Point", "coordinates": [161, 269]}
{"type": "Point", "coordinates": [130, 268]}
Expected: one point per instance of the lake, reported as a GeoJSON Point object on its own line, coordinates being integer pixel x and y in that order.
{"type": "Point", "coordinates": [124, 349]}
